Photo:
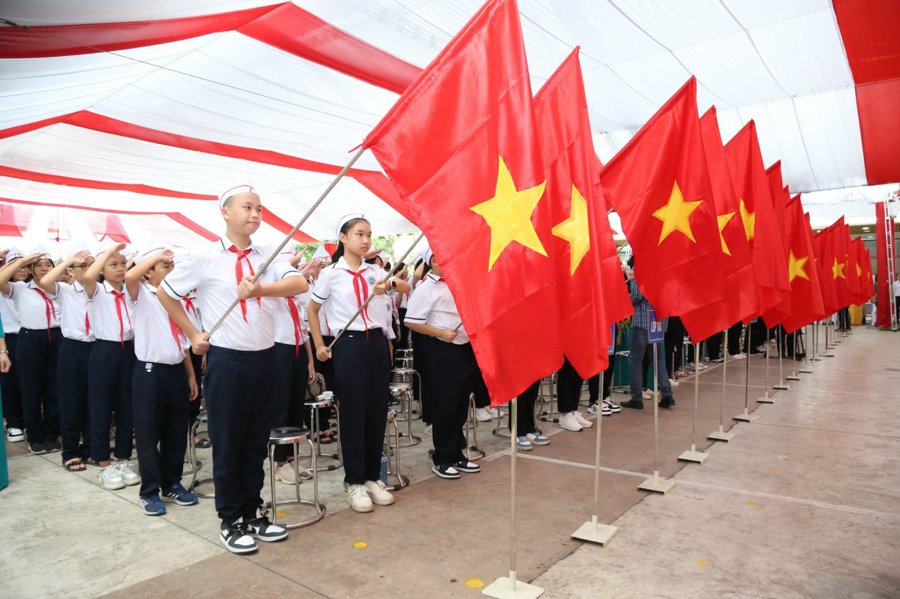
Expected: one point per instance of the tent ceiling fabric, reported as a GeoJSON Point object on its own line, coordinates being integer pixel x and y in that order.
{"type": "Point", "coordinates": [185, 95]}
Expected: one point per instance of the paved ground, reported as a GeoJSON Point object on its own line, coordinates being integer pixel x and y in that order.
{"type": "Point", "coordinates": [802, 503]}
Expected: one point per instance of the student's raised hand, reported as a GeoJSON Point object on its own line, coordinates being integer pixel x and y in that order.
{"type": "Point", "coordinates": [31, 259]}
{"type": "Point", "coordinates": [200, 343]}
{"type": "Point", "coordinates": [115, 249]}
{"type": "Point", "coordinates": [5, 363]}
{"type": "Point", "coordinates": [248, 289]}
{"type": "Point", "coordinates": [79, 257]}
{"type": "Point", "coordinates": [323, 353]}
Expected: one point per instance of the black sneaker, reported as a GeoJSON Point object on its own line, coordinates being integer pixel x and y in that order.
{"type": "Point", "coordinates": [236, 538]}
{"type": "Point", "coordinates": [261, 528]}
{"type": "Point", "coordinates": [448, 471]}
{"type": "Point", "coordinates": [667, 402]}
{"type": "Point", "coordinates": [37, 448]}
{"type": "Point", "coordinates": [467, 466]}
{"type": "Point", "coordinates": [52, 446]}
{"type": "Point", "coordinates": [633, 404]}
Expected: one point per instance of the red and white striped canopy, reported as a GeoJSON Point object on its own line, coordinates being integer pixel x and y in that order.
{"type": "Point", "coordinates": [145, 111]}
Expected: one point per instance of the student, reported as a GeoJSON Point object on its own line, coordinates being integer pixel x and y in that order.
{"type": "Point", "coordinates": [36, 350]}
{"type": "Point", "coordinates": [197, 364]}
{"type": "Point", "coordinates": [361, 363]}
{"type": "Point", "coordinates": [568, 394]}
{"type": "Point", "coordinates": [240, 374]}
{"type": "Point", "coordinates": [163, 385]}
{"type": "Point", "coordinates": [294, 363]}
{"type": "Point", "coordinates": [9, 381]}
{"type": "Point", "coordinates": [432, 312]}
{"type": "Point", "coordinates": [527, 434]}
{"type": "Point", "coordinates": [74, 357]}
{"type": "Point", "coordinates": [110, 366]}
{"type": "Point", "coordinates": [311, 271]}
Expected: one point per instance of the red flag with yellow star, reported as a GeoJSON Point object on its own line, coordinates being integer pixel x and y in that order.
{"type": "Point", "coordinates": [806, 296]}
{"type": "Point", "coordinates": [460, 147]}
{"type": "Point", "coordinates": [830, 269]}
{"type": "Point", "coordinates": [758, 216]}
{"type": "Point", "coordinates": [780, 197]}
{"type": "Point", "coordinates": [740, 301]}
{"type": "Point", "coordinates": [659, 184]}
{"type": "Point", "coordinates": [581, 233]}
{"type": "Point", "coordinates": [868, 279]}
{"type": "Point", "coordinates": [854, 272]}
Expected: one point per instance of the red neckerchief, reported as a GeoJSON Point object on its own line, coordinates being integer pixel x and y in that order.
{"type": "Point", "coordinates": [49, 308]}
{"type": "Point", "coordinates": [239, 274]}
{"type": "Point", "coordinates": [361, 290]}
{"type": "Point", "coordinates": [120, 303]}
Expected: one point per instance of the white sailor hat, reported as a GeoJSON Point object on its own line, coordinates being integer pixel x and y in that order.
{"type": "Point", "coordinates": [14, 253]}
{"type": "Point", "coordinates": [344, 220]}
{"type": "Point", "coordinates": [236, 187]}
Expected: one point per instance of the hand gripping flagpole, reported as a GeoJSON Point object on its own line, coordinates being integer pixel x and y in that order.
{"type": "Point", "coordinates": [289, 236]}
{"type": "Point", "coordinates": [592, 530]}
{"type": "Point", "coordinates": [365, 304]}
{"type": "Point", "coordinates": [746, 416]}
{"type": "Point", "coordinates": [722, 434]}
{"type": "Point", "coordinates": [692, 455]}
{"type": "Point", "coordinates": [766, 398]}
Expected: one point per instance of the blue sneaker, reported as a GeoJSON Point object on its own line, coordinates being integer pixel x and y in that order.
{"type": "Point", "coordinates": [153, 506]}
{"type": "Point", "coordinates": [180, 495]}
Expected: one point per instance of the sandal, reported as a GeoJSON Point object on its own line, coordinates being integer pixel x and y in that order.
{"type": "Point", "coordinates": [75, 465]}
{"type": "Point", "coordinates": [202, 444]}
{"type": "Point", "coordinates": [327, 437]}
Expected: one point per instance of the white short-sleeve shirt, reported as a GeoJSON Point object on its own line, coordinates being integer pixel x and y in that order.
{"type": "Point", "coordinates": [433, 304]}
{"type": "Point", "coordinates": [110, 317]}
{"type": "Point", "coordinates": [156, 338]}
{"type": "Point", "coordinates": [34, 311]}
{"type": "Point", "coordinates": [211, 271]}
{"type": "Point", "coordinates": [284, 322]}
{"type": "Point", "coordinates": [335, 290]}
{"type": "Point", "coordinates": [10, 316]}
{"type": "Point", "coordinates": [73, 318]}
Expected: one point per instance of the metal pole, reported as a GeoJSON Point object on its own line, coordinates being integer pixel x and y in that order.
{"type": "Point", "coordinates": [655, 410]}
{"type": "Point", "coordinates": [289, 236]}
{"type": "Point", "coordinates": [747, 373]}
{"type": "Point", "coordinates": [724, 371]}
{"type": "Point", "coordinates": [359, 310]}
{"type": "Point", "coordinates": [513, 427]}
{"type": "Point", "coordinates": [597, 461]}
{"type": "Point", "coordinates": [696, 396]}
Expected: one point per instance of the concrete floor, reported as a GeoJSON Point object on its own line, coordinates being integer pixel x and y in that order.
{"type": "Point", "coordinates": [802, 503]}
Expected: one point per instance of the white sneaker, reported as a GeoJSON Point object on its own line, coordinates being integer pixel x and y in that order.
{"type": "Point", "coordinates": [110, 478]}
{"type": "Point", "coordinates": [568, 422]}
{"type": "Point", "coordinates": [379, 494]}
{"type": "Point", "coordinates": [482, 415]}
{"type": "Point", "coordinates": [359, 499]}
{"type": "Point", "coordinates": [646, 395]}
{"type": "Point", "coordinates": [612, 405]}
{"type": "Point", "coordinates": [494, 412]}
{"type": "Point", "coordinates": [673, 382]}
{"type": "Point", "coordinates": [537, 439]}
{"type": "Point", "coordinates": [584, 422]}
{"type": "Point", "coordinates": [15, 435]}
{"type": "Point", "coordinates": [606, 410]}
{"type": "Point", "coordinates": [128, 476]}
{"type": "Point", "coordinates": [593, 408]}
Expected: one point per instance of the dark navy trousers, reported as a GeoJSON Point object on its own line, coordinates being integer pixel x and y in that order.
{"type": "Point", "coordinates": [74, 412]}
{"type": "Point", "coordinates": [36, 353]}
{"type": "Point", "coordinates": [109, 393]}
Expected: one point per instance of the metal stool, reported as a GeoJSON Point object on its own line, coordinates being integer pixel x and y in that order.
{"type": "Point", "coordinates": [395, 480]}
{"type": "Point", "coordinates": [472, 452]}
{"type": "Point", "coordinates": [290, 435]}
{"type": "Point", "coordinates": [403, 392]}
{"type": "Point", "coordinates": [324, 400]}
{"type": "Point", "coordinates": [502, 430]}
{"type": "Point", "coordinates": [546, 413]}
{"type": "Point", "coordinates": [406, 375]}
{"type": "Point", "coordinates": [195, 464]}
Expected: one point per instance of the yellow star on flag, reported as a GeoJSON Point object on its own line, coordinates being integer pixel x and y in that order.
{"type": "Point", "coordinates": [749, 220]}
{"type": "Point", "coordinates": [795, 267]}
{"type": "Point", "coordinates": [675, 215]}
{"type": "Point", "coordinates": [723, 220]}
{"type": "Point", "coordinates": [837, 269]}
{"type": "Point", "coordinates": [575, 230]}
{"type": "Point", "coordinates": [858, 271]}
{"type": "Point", "coordinates": [508, 214]}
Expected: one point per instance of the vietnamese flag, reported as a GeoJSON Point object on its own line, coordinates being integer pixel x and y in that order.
{"type": "Point", "coordinates": [740, 302]}
{"type": "Point", "coordinates": [841, 244]}
{"type": "Point", "coordinates": [856, 260]}
{"type": "Point", "coordinates": [868, 282]}
{"type": "Point", "coordinates": [806, 296]}
{"type": "Point", "coordinates": [659, 184]}
{"type": "Point", "coordinates": [758, 216]}
{"type": "Point", "coordinates": [780, 196]}
{"type": "Point", "coordinates": [853, 271]}
{"type": "Point", "coordinates": [829, 269]}
{"type": "Point", "coordinates": [579, 216]}
{"type": "Point", "coordinates": [461, 149]}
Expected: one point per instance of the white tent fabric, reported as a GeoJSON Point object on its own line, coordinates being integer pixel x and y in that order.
{"type": "Point", "coordinates": [781, 63]}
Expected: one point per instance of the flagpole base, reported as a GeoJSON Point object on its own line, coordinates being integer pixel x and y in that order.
{"type": "Point", "coordinates": [766, 399]}
{"type": "Point", "coordinates": [815, 359]}
{"type": "Point", "coordinates": [805, 371]}
{"type": "Point", "coordinates": [657, 484]}
{"type": "Point", "coordinates": [594, 532]}
{"type": "Point", "coordinates": [792, 377]}
{"type": "Point", "coordinates": [827, 355]}
{"type": "Point", "coordinates": [507, 587]}
{"type": "Point", "coordinates": [691, 455]}
{"type": "Point", "coordinates": [782, 386]}
{"type": "Point", "coordinates": [720, 435]}
{"type": "Point", "coordinates": [745, 416]}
